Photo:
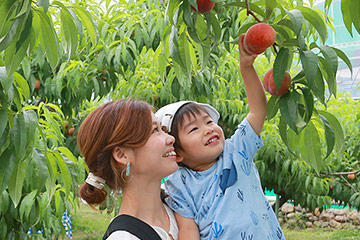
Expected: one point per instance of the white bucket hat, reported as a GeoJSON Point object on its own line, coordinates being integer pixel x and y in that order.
{"type": "Point", "coordinates": [167, 113]}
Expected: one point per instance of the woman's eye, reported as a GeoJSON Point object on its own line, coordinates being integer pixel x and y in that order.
{"type": "Point", "coordinates": [164, 129]}
{"type": "Point", "coordinates": [210, 121]}
{"type": "Point", "coordinates": [156, 130]}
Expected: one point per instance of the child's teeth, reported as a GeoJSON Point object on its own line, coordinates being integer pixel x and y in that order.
{"type": "Point", "coordinates": [211, 140]}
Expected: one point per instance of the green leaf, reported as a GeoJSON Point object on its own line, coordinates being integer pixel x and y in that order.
{"type": "Point", "coordinates": [4, 199]}
{"type": "Point", "coordinates": [288, 109]}
{"type": "Point", "coordinates": [173, 46]}
{"type": "Point", "coordinates": [253, 7]}
{"type": "Point", "coordinates": [69, 29]}
{"type": "Point", "coordinates": [318, 86]}
{"type": "Point", "coordinates": [285, 166]}
{"type": "Point", "coordinates": [316, 20]}
{"type": "Point", "coordinates": [310, 147]}
{"type": "Point", "coordinates": [31, 123]}
{"type": "Point", "coordinates": [297, 20]}
{"type": "Point", "coordinates": [283, 134]}
{"type": "Point", "coordinates": [16, 182]}
{"type": "Point", "coordinates": [272, 107]}
{"type": "Point", "coordinates": [308, 182]}
{"type": "Point", "coordinates": [25, 33]}
{"type": "Point", "coordinates": [67, 153]}
{"type": "Point", "coordinates": [336, 127]}
{"type": "Point", "coordinates": [78, 24]}
{"type": "Point", "coordinates": [70, 32]}
{"type": "Point", "coordinates": [11, 36]}
{"type": "Point", "coordinates": [26, 205]}
{"type": "Point", "coordinates": [331, 57]}
{"type": "Point", "coordinates": [175, 88]}
{"type": "Point", "coordinates": [26, 68]}
{"type": "Point", "coordinates": [345, 10]}
{"type": "Point", "coordinates": [6, 9]}
{"type": "Point", "coordinates": [309, 103]}
{"type": "Point", "coordinates": [328, 74]}
{"type": "Point", "coordinates": [48, 38]}
{"type": "Point", "coordinates": [19, 136]}
{"type": "Point", "coordinates": [7, 165]}
{"type": "Point", "coordinates": [87, 22]}
{"type": "Point", "coordinates": [343, 56]}
{"type": "Point", "coordinates": [194, 4]}
{"type": "Point", "coordinates": [3, 121]}
{"type": "Point", "coordinates": [329, 135]}
{"type": "Point", "coordinates": [5, 81]}
{"type": "Point", "coordinates": [171, 8]}
{"type": "Point", "coordinates": [280, 65]}
{"type": "Point", "coordinates": [52, 169]}
{"type": "Point", "coordinates": [65, 175]}
{"type": "Point", "coordinates": [355, 16]}
{"type": "Point", "coordinates": [309, 63]}
{"type": "Point", "coordinates": [25, 90]}
{"type": "Point", "coordinates": [16, 51]}
{"type": "Point", "coordinates": [42, 168]}
{"type": "Point", "coordinates": [185, 54]}
{"type": "Point", "coordinates": [216, 27]}
{"type": "Point", "coordinates": [44, 4]}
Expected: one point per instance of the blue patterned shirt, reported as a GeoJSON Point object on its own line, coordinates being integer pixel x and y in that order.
{"type": "Point", "coordinates": [227, 200]}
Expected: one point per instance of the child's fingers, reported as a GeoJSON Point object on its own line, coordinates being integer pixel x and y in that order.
{"type": "Point", "coordinates": [242, 48]}
{"type": "Point", "coordinates": [241, 42]}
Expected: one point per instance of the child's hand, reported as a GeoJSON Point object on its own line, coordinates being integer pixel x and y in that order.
{"type": "Point", "coordinates": [246, 59]}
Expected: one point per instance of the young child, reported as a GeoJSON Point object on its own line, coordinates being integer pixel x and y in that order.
{"type": "Point", "coordinates": [217, 194]}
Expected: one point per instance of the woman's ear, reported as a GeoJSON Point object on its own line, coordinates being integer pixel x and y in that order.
{"type": "Point", "coordinates": [120, 155]}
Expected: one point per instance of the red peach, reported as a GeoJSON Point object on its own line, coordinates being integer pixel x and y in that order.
{"type": "Point", "coordinates": [258, 38]}
{"type": "Point", "coordinates": [270, 86]}
{"type": "Point", "coordinates": [204, 6]}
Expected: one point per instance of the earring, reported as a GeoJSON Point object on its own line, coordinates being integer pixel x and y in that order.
{"type": "Point", "coordinates": [126, 178]}
{"type": "Point", "coordinates": [127, 169]}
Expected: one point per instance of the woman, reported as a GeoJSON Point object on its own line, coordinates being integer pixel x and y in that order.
{"type": "Point", "coordinates": [125, 148]}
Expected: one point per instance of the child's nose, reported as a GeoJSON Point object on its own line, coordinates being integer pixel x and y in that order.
{"type": "Point", "coordinates": [209, 130]}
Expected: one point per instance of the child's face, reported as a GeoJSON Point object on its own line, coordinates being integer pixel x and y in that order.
{"type": "Point", "coordinates": [202, 141]}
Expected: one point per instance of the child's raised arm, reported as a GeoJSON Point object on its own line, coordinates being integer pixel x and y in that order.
{"type": "Point", "coordinates": [188, 230]}
{"type": "Point", "coordinates": [254, 89]}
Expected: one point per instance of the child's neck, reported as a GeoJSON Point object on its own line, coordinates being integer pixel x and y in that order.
{"type": "Point", "coordinates": [203, 167]}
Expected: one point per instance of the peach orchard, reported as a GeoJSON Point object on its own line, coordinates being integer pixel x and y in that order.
{"type": "Point", "coordinates": [61, 59]}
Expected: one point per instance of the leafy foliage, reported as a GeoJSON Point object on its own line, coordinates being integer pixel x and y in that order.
{"type": "Point", "coordinates": [85, 52]}
{"type": "Point", "coordinates": [296, 180]}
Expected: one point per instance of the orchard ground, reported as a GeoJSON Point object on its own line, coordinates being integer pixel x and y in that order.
{"type": "Point", "coordinates": [88, 224]}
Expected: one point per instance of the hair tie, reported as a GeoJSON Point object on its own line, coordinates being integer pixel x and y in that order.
{"type": "Point", "coordinates": [95, 181]}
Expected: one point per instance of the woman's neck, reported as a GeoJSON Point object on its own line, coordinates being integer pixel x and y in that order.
{"type": "Point", "coordinates": [142, 200]}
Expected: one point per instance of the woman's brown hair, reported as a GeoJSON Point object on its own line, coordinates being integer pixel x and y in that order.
{"type": "Point", "coordinates": [124, 123]}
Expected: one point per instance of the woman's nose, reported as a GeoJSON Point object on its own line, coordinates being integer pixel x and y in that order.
{"type": "Point", "coordinates": [170, 139]}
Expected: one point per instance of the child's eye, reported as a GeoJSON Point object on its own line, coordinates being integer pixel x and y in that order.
{"type": "Point", "coordinates": [210, 121]}
{"type": "Point", "coordinates": [155, 130]}
{"type": "Point", "coordinates": [193, 129]}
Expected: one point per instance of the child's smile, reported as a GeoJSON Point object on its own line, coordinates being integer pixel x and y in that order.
{"type": "Point", "coordinates": [212, 140]}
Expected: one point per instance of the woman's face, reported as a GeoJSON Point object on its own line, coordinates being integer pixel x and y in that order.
{"type": "Point", "coordinates": [157, 158]}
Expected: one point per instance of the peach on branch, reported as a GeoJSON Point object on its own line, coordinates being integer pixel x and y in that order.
{"type": "Point", "coordinates": [258, 38]}
{"type": "Point", "coordinates": [351, 176]}
{"type": "Point", "coordinates": [204, 6]}
{"type": "Point", "coordinates": [37, 83]}
{"type": "Point", "coordinates": [269, 83]}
